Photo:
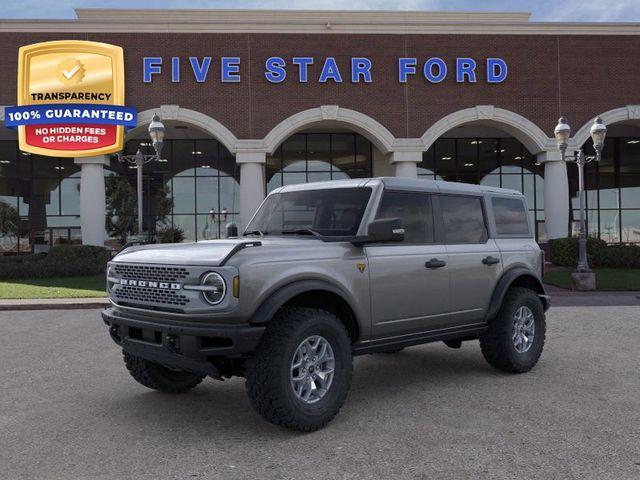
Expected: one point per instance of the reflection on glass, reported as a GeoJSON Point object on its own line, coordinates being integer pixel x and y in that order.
{"type": "Point", "coordinates": [631, 226]}
{"type": "Point", "coordinates": [183, 195]}
{"type": "Point", "coordinates": [187, 223]}
{"type": "Point", "coordinates": [312, 157]}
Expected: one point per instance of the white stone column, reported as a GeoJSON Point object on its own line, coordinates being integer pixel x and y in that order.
{"type": "Point", "coordinates": [252, 184]}
{"type": "Point", "coordinates": [93, 208]}
{"type": "Point", "coordinates": [556, 194]}
{"type": "Point", "coordinates": [406, 163]}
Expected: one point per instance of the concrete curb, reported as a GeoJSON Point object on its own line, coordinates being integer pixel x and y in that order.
{"type": "Point", "coordinates": [53, 304]}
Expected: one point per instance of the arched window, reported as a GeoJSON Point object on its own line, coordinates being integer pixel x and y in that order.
{"type": "Point", "coordinates": [498, 162]}
{"type": "Point", "coordinates": [315, 157]}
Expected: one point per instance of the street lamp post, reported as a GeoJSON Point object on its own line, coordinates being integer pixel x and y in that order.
{"type": "Point", "coordinates": [156, 133]}
{"type": "Point", "coordinates": [598, 132]}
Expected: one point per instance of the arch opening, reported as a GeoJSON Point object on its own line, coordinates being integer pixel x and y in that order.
{"type": "Point", "coordinates": [612, 186]}
{"type": "Point", "coordinates": [484, 154]}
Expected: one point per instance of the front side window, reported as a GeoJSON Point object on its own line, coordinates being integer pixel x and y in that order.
{"type": "Point", "coordinates": [414, 209]}
{"type": "Point", "coordinates": [328, 212]}
{"type": "Point", "coordinates": [463, 219]}
{"type": "Point", "coordinates": [511, 216]}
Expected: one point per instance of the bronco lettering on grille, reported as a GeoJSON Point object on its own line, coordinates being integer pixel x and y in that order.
{"type": "Point", "coordinates": [150, 284]}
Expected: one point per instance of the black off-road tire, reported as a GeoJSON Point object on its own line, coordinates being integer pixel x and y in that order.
{"type": "Point", "coordinates": [155, 376]}
{"type": "Point", "coordinates": [496, 343]}
{"type": "Point", "coordinates": [268, 381]}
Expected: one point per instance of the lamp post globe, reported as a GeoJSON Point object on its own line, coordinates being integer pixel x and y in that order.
{"type": "Point", "coordinates": [562, 133]}
{"type": "Point", "coordinates": [156, 133]}
{"type": "Point", "coordinates": [598, 133]}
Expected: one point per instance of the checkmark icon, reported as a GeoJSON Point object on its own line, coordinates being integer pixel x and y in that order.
{"type": "Point", "coordinates": [71, 73]}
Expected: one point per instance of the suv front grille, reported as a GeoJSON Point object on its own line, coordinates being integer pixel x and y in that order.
{"type": "Point", "coordinates": [153, 273]}
{"type": "Point", "coordinates": [151, 295]}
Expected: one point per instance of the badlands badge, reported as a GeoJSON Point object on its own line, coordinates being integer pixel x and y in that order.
{"type": "Point", "coordinates": [70, 99]}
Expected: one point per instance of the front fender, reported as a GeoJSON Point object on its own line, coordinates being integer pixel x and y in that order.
{"type": "Point", "coordinates": [282, 295]}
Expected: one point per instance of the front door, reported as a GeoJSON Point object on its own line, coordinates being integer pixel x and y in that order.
{"type": "Point", "coordinates": [409, 281]}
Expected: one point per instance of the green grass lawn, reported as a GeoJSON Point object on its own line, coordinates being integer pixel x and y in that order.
{"type": "Point", "coordinates": [611, 279]}
{"type": "Point", "coordinates": [70, 287]}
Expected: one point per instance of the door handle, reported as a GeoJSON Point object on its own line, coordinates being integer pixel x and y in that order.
{"type": "Point", "coordinates": [435, 263]}
{"type": "Point", "coordinates": [490, 260]}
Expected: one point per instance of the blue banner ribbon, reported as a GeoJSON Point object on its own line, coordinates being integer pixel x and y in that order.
{"type": "Point", "coordinates": [70, 113]}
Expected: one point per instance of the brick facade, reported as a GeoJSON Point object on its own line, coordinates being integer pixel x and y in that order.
{"type": "Point", "coordinates": [575, 75]}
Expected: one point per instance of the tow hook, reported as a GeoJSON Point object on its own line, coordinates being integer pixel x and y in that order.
{"type": "Point", "coordinates": [114, 331]}
{"type": "Point", "coordinates": [173, 343]}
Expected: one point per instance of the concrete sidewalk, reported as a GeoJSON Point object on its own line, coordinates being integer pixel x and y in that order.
{"type": "Point", "coordinates": [561, 297]}
{"type": "Point", "coordinates": [53, 303]}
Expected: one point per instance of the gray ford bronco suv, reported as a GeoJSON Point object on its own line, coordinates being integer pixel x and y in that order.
{"type": "Point", "coordinates": [326, 271]}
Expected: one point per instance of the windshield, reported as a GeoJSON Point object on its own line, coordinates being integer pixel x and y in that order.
{"type": "Point", "coordinates": [325, 212]}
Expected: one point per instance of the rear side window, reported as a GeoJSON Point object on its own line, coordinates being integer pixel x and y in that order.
{"type": "Point", "coordinates": [463, 219]}
{"type": "Point", "coordinates": [511, 216]}
{"type": "Point", "coordinates": [414, 209]}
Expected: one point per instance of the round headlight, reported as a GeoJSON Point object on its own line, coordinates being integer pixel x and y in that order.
{"type": "Point", "coordinates": [110, 275]}
{"type": "Point", "coordinates": [216, 288]}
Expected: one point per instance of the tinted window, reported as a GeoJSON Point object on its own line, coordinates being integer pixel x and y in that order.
{"type": "Point", "coordinates": [329, 211]}
{"type": "Point", "coordinates": [463, 219]}
{"type": "Point", "coordinates": [511, 216]}
{"type": "Point", "coordinates": [415, 211]}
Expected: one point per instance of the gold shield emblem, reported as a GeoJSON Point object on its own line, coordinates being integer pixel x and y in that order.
{"type": "Point", "coordinates": [71, 72]}
{"type": "Point", "coordinates": [361, 267]}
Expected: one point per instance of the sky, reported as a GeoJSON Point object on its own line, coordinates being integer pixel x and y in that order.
{"type": "Point", "coordinates": [542, 10]}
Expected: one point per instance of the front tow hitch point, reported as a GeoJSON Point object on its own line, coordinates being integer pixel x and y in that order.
{"type": "Point", "coordinates": [173, 343]}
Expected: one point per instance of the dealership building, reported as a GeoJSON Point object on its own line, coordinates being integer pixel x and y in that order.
{"type": "Point", "coordinates": [253, 100]}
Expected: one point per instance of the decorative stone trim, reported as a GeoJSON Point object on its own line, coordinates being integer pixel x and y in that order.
{"type": "Point", "coordinates": [628, 112]}
{"type": "Point", "coordinates": [532, 136]}
{"type": "Point", "coordinates": [200, 120]}
{"type": "Point", "coordinates": [378, 134]}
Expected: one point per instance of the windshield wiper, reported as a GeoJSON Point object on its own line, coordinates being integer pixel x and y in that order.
{"type": "Point", "coordinates": [302, 231]}
{"type": "Point", "coordinates": [254, 232]}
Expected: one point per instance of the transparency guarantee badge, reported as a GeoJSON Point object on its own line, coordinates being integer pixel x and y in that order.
{"type": "Point", "coordinates": [71, 99]}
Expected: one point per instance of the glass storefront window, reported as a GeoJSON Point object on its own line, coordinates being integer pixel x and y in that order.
{"type": "Point", "coordinates": [630, 223]}
{"type": "Point", "coordinates": [316, 157]}
{"type": "Point", "coordinates": [612, 190]}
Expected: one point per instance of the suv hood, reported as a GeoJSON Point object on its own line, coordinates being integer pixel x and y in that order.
{"type": "Point", "coordinates": [209, 252]}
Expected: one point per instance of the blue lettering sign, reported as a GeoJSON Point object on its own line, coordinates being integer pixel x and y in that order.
{"type": "Point", "coordinates": [303, 65]}
{"type": "Point", "coordinates": [465, 67]}
{"type": "Point", "coordinates": [428, 70]}
{"type": "Point", "coordinates": [151, 66]}
{"type": "Point", "coordinates": [360, 67]}
{"type": "Point", "coordinates": [175, 69]}
{"type": "Point", "coordinates": [230, 69]}
{"type": "Point", "coordinates": [200, 71]}
{"type": "Point", "coordinates": [406, 66]}
{"type": "Point", "coordinates": [330, 71]}
{"type": "Point", "coordinates": [275, 69]}
{"type": "Point", "coordinates": [496, 70]}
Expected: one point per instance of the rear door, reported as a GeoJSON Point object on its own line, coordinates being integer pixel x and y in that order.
{"type": "Point", "coordinates": [475, 263]}
{"type": "Point", "coordinates": [409, 280]}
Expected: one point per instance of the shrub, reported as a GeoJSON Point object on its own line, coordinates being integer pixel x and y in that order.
{"type": "Point", "coordinates": [61, 261]}
{"type": "Point", "coordinates": [564, 252]}
{"type": "Point", "coordinates": [171, 235]}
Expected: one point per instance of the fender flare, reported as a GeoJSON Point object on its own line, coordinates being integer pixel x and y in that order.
{"type": "Point", "coordinates": [507, 279]}
{"type": "Point", "coordinates": [282, 295]}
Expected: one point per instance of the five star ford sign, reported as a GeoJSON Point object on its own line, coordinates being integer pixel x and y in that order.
{"type": "Point", "coordinates": [70, 99]}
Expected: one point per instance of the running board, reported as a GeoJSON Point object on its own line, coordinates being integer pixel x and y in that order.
{"type": "Point", "coordinates": [380, 345]}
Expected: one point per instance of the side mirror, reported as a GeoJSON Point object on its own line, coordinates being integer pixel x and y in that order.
{"type": "Point", "coordinates": [232, 230]}
{"type": "Point", "coordinates": [386, 230]}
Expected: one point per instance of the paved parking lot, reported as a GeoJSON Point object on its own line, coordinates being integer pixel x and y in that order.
{"type": "Point", "coordinates": [68, 410]}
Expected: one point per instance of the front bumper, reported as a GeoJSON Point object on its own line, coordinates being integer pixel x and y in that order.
{"type": "Point", "coordinates": [182, 345]}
